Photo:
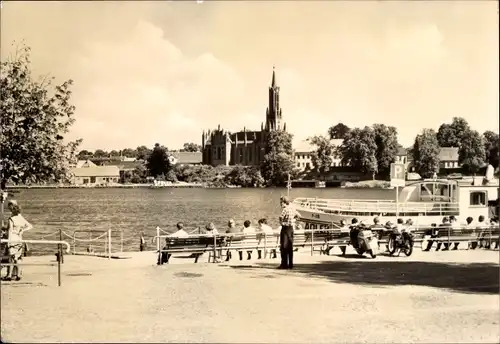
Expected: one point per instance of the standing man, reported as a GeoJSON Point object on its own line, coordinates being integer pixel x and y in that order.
{"type": "Point", "coordinates": [287, 220]}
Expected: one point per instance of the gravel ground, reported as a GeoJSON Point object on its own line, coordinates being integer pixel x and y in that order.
{"type": "Point", "coordinates": [430, 297]}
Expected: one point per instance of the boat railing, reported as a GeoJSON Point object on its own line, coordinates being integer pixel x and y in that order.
{"type": "Point", "coordinates": [376, 206]}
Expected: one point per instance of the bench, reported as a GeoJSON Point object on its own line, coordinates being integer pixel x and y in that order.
{"type": "Point", "coordinates": [240, 242]}
{"type": "Point", "coordinates": [195, 245]}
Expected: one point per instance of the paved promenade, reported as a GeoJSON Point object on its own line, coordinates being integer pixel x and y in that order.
{"type": "Point", "coordinates": [430, 297]}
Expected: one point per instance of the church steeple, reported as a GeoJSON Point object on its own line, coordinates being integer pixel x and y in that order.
{"type": "Point", "coordinates": [273, 112]}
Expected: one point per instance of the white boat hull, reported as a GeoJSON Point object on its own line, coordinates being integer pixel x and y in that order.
{"type": "Point", "coordinates": [316, 217]}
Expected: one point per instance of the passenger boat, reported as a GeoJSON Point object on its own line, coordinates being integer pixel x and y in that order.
{"type": "Point", "coordinates": [425, 202]}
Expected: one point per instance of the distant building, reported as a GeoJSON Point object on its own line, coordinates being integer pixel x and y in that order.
{"type": "Point", "coordinates": [221, 147]}
{"type": "Point", "coordinates": [85, 163]}
{"type": "Point", "coordinates": [303, 155]}
{"type": "Point", "coordinates": [186, 158]}
{"type": "Point", "coordinates": [448, 157]}
{"type": "Point", "coordinates": [95, 175]}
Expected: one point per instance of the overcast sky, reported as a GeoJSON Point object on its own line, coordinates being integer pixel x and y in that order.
{"type": "Point", "coordinates": [149, 72]}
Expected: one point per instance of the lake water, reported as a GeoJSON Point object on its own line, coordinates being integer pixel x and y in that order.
{"type": "Point", "coordinates": [140, 210]}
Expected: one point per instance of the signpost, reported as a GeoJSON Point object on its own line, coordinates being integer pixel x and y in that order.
{"type": "Point", "coordinates": [397, 180]}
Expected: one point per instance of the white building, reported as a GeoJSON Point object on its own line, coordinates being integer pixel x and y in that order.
{"type": "Point", "coordinates": [303, 155]}
{"type": "Point", "coordinates": [95, 175]}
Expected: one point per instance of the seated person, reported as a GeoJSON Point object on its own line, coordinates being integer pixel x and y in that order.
{"type": "Point", "coordinates": [248, 230]}
{"type": "Point", "coordinates": [181, 233]}
{"type": "Point", "coordinates": [264, 228]}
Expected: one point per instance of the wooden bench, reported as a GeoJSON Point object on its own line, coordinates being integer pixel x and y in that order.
{"type": "Point", "coordinates": [240, 242]}
{"type": "Point", "coordinates": [194, 245]}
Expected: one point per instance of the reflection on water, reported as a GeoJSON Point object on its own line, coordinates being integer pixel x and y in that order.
{"type": "Point", "coordinates": [141, 210]}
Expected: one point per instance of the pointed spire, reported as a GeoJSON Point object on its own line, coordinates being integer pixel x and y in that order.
{"type": "Point", "coordinates": [273, 81]}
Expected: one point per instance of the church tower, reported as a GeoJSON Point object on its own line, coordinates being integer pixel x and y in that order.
{"type": "Point", "coordinates": [273, 111]}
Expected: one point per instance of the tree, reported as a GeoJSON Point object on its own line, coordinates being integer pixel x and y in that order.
{"type": "Point", "coordinates": [322, 157]}
{"type": "Point", "coordinates": [386, 139]}
{"type": "Point", "coordinates": [278, 161]}
{"type": "Point", "coordinates": [158, 163]}
{"type": "Point", "coordinates": [359, 149]}
{"type": "Point", "coordinates": [450, 135]}
{"type": "Point", "coordinates": [129, 153]}
{"type": "Point", "coordinates": [35, 117]}
{"type": "Point", "coordinates": [338, 131]}
{"type": "Point", "coordinates": [191, 147]}
{"type": "Point", "coordinates": [491, 143]}
{"type": "Point", "coordinates": [84, 154]}
{"type": "Point", "coordinates": [471, 152]}
{"type": "Point", "coordinates": [425, 153]}
{"type": "Point", "coordinates": [143, 152]}
{"type": "Point", "coordinates": [245, 176]}
{"type": "Point", "coordinates": [99, 153]}
{"type": "Point", "coordinates": [114, 153]}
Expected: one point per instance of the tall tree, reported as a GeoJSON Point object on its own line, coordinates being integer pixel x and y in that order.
{"type": "Point", "coordinates": [338, 131]}
{"type": "Point", "coordinates": [450, 135]}
{"type": "Point", "coordinates": [471, 152]}
{"type": "Point", "coordinates": [386, 139]}
{"type": "Point", "coordinates": [278, 161]}
{"type": "Point", "coordinates": [191, 147]}
{"type": "Point", "coordinates": [491, 145]}
{"type": "Point", "coordinates": [129, 153]}
{"type": "Point", "coordinates": [425, 153]}
{"type": "Point", "coordinates": [158, 163]}
{"type": "Point", "coordinates": [322, 157]}
{"type": "Point", "coordinates": [84, 154]}
{"type": "Point", "coordinates": [36, 115]}
{"type": "Point", "coordinates": [359, 150]}
{"type": "Point", "coordinates": [99, 153]}
{"type": "Point", "coordinates": [143, 152]}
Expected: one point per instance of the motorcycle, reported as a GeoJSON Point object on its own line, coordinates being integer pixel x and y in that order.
{"type": "Point", "coordinates": [401, 242]}
{"type": "Point", "coordinates": [364, 241]}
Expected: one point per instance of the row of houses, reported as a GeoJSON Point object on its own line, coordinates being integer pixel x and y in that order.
{"type": "Point", "coordinates": [105, 171]}
{"type": "Point", "coordinates": [448, 157]}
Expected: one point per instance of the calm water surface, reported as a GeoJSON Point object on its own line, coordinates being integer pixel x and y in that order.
{"type": "Point", "coordinates": [140, 210]}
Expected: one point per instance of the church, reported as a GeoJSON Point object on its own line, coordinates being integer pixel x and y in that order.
{"type": "Point", "coordinates": [220, 147]}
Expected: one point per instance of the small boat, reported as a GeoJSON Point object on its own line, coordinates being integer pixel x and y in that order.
{"type": "Point", "coordinates": [425, 202]}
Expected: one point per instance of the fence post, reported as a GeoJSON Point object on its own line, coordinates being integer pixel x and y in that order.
{"type": "Point", "coordinates": [312, 241]}
{"type": "Point", "coordinates": [59, 259]}
{"type": "Point", "coordinates": [109, 243]}
{"type": "Point", "coordinates": [121, 241]}
{"type": "Point", "coordinates": [59, 247]}
{"type": "Point", "coordinates": [215, 248]}
{"type": "Point", "coordinates": [449, 233]}
{"type": "Point", "coordinates": [158, 243]}
{"type": "Point", "coordinates": [74, 241]}
{"type": "Point", "coordinates": [265, 245]}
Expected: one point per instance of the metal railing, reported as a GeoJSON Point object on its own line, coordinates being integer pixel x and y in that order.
{"type": "Point", "coordinates": [313, 238]}
{"type": "Point", "coordinates": [59, 243]}
{"type": "Point", "coordinates": [376, 206]}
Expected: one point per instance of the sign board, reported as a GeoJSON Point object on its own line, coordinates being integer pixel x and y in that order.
{"type": "Point", "coordinates": [398, 174]}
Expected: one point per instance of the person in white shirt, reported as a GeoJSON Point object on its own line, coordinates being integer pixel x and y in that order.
{"type": "Point", "coordinates": [264, 228]}
{"type": "Point", "coordinates": [16, 226]}
{"type": "Point", "coordinates": [181, 233]}
{"type": "Point", "coordinates": [248, 230]}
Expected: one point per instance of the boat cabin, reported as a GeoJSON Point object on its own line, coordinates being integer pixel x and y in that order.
{"type": "Point", "coordinates": [473, 196]}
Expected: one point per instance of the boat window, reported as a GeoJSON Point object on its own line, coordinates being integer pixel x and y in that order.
{"type": "Point", "coordinates": [426, 191]}
{"type": "Point", "coordinates": [478, 198]}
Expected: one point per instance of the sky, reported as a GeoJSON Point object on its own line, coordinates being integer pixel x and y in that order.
{"type": "Point", "coordinates": [164, 71]}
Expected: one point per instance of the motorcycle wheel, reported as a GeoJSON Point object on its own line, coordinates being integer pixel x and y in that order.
{"type": "Point", "coordinates": [392, 246]}
{"type": "Point", "coordinates": [408, 250]}
{"type": "Point", "coordinates": [373, 254]}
